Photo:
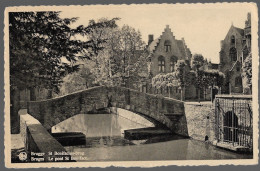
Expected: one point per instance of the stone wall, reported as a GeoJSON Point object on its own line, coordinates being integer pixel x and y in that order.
{"type": "Point", "coordinates": [38, 140]}
{"type": "Point", "coordinates": [199, 121]}
{"type": "Point", "coordinates": [154, 106]}
{"type": "Point", "coordinates": [53, 111]}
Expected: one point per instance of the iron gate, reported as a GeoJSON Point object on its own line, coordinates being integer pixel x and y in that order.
{"type": "Point", "coordinates": [234, 120]}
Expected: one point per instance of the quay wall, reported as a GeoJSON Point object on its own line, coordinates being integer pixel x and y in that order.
{"type": "Point", "coordinates": [38, 140]}
{"type": "Point", "coordinates": [198, 121]}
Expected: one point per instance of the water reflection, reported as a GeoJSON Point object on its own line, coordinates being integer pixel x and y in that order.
{"type": "Point", "coordinates": [105, 142]}
{"type": "Point", "coordinates": [94, 125]}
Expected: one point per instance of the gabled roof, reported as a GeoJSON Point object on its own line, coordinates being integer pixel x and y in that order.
{"type": "Point", "coordinates": [236, 29]}
{"type": "Point", "coordinates": [181, 47]}
{"type": "Point", "coordinates": [239, 30]}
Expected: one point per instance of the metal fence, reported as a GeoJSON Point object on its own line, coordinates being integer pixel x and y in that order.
{"type": "Point", "coordinates": [234, 120]}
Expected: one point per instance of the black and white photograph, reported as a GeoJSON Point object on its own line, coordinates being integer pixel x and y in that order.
{"type": "Point", "coordinates": [131, 85]}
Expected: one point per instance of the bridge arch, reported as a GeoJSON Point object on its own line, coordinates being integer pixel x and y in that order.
{"type": "Point", "coordinates": [53, 111]}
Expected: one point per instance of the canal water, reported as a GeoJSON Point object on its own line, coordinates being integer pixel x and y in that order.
{"type": "Point", "coordinates": [105, 141]}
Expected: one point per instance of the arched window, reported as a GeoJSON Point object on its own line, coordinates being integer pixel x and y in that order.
{"type": "Point", "coordinates": [173, 61]}
{"type": "Point", "coordinates": [161, 64]}
{"type": "Point", "coordinates": [238, 81]}
{"type": "Point", "coordinates": [167, 45]}
{"type": "Point", "coordinates": [233, 54]}
{"type": "Point", "coordinates": [233, 40]}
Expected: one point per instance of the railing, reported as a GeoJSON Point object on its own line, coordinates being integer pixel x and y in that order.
{"type": "Point", "coordinates": [234, 120]}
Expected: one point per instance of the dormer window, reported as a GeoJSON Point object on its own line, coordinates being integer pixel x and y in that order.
{"type": "Point", "coordinates": [167, 45]}
{"type": "Point", "coordinates": [161, 64]}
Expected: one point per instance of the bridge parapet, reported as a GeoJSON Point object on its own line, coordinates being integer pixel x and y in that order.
{"type": "Point", "coordinates": [53, 111]}
{"type": "Point", "coordinates": [154, 106]}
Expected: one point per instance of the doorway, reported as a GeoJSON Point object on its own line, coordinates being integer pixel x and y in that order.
{"type": "Point", "coordinates": [230, 127]}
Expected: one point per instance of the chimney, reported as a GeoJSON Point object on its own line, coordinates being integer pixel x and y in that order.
{"type": "Point", "coordinates": [150, 39]}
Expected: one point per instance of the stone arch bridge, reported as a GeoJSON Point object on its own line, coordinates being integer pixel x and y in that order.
{"type": "Point", "coordinates": [167, 111]}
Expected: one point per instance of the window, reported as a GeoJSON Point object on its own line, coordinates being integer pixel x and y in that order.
{"type": "Point", "coordinates": [238, 67]}
{"type": "Point", "coordinates": [167, 45]}
{"type": "Point", "coordinates": [233, 54]}
{"type": "Point", "coordinates": [173, 61]}
{"type": "Point", "coordinates": [238, 81]}
{"type": "Point", "coordinates": [167, 48]}
{"type": "Point", "coordinates": [233, 40]}
{"type": "Point", "coordinates": [161, 64]}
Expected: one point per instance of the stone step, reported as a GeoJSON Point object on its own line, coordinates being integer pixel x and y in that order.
{"type": "Point", "coordinates": [231, 147]}
{"type": "Point", "coordinates": [144, 133]}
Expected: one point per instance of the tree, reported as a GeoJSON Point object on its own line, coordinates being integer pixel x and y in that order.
{"type": "Point", "coordinates": [247, 73]}
{"type": "Point", "coordinates": [181, 74]}
{"type": "Point", "coordinates": [211, 78]}
{"type": "Point", "coordinates": [197, 62]}
{"type": "Point", "coordinates": [40, 42]}
{"type": "Point", "coordinates": [122, 59]}
{"type": "Point", "coordinates": [162, 81]}
{"type": "Point", "coordinates": [78, 80]}
{"type": "Point", "coordinates": [181, 77]}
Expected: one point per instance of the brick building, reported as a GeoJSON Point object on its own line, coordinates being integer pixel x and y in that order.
{"type": "Point", "coordinates": [234, 49]}
{"type": "Point", "coordinates": [164, 52]}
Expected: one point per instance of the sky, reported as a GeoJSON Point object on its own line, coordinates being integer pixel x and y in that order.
{"type": "Point", "coordinates": [202, 26]}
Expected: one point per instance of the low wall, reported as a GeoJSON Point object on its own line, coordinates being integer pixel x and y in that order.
{"type": "Point", "coordinates": [154, 106]}
{"type": "Point", "coordinates": [200, 120]}
{"type": "Point", "coordinates": [39, 144]}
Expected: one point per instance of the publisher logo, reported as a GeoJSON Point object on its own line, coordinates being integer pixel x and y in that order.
{"type": "Point", "coordinates": [23, 156]}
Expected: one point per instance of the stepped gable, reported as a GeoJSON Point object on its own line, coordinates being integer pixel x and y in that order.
{"type": "Point", "coordinates": [184, 50]}
{"type": "Point", "coordinates": [179, 46]}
